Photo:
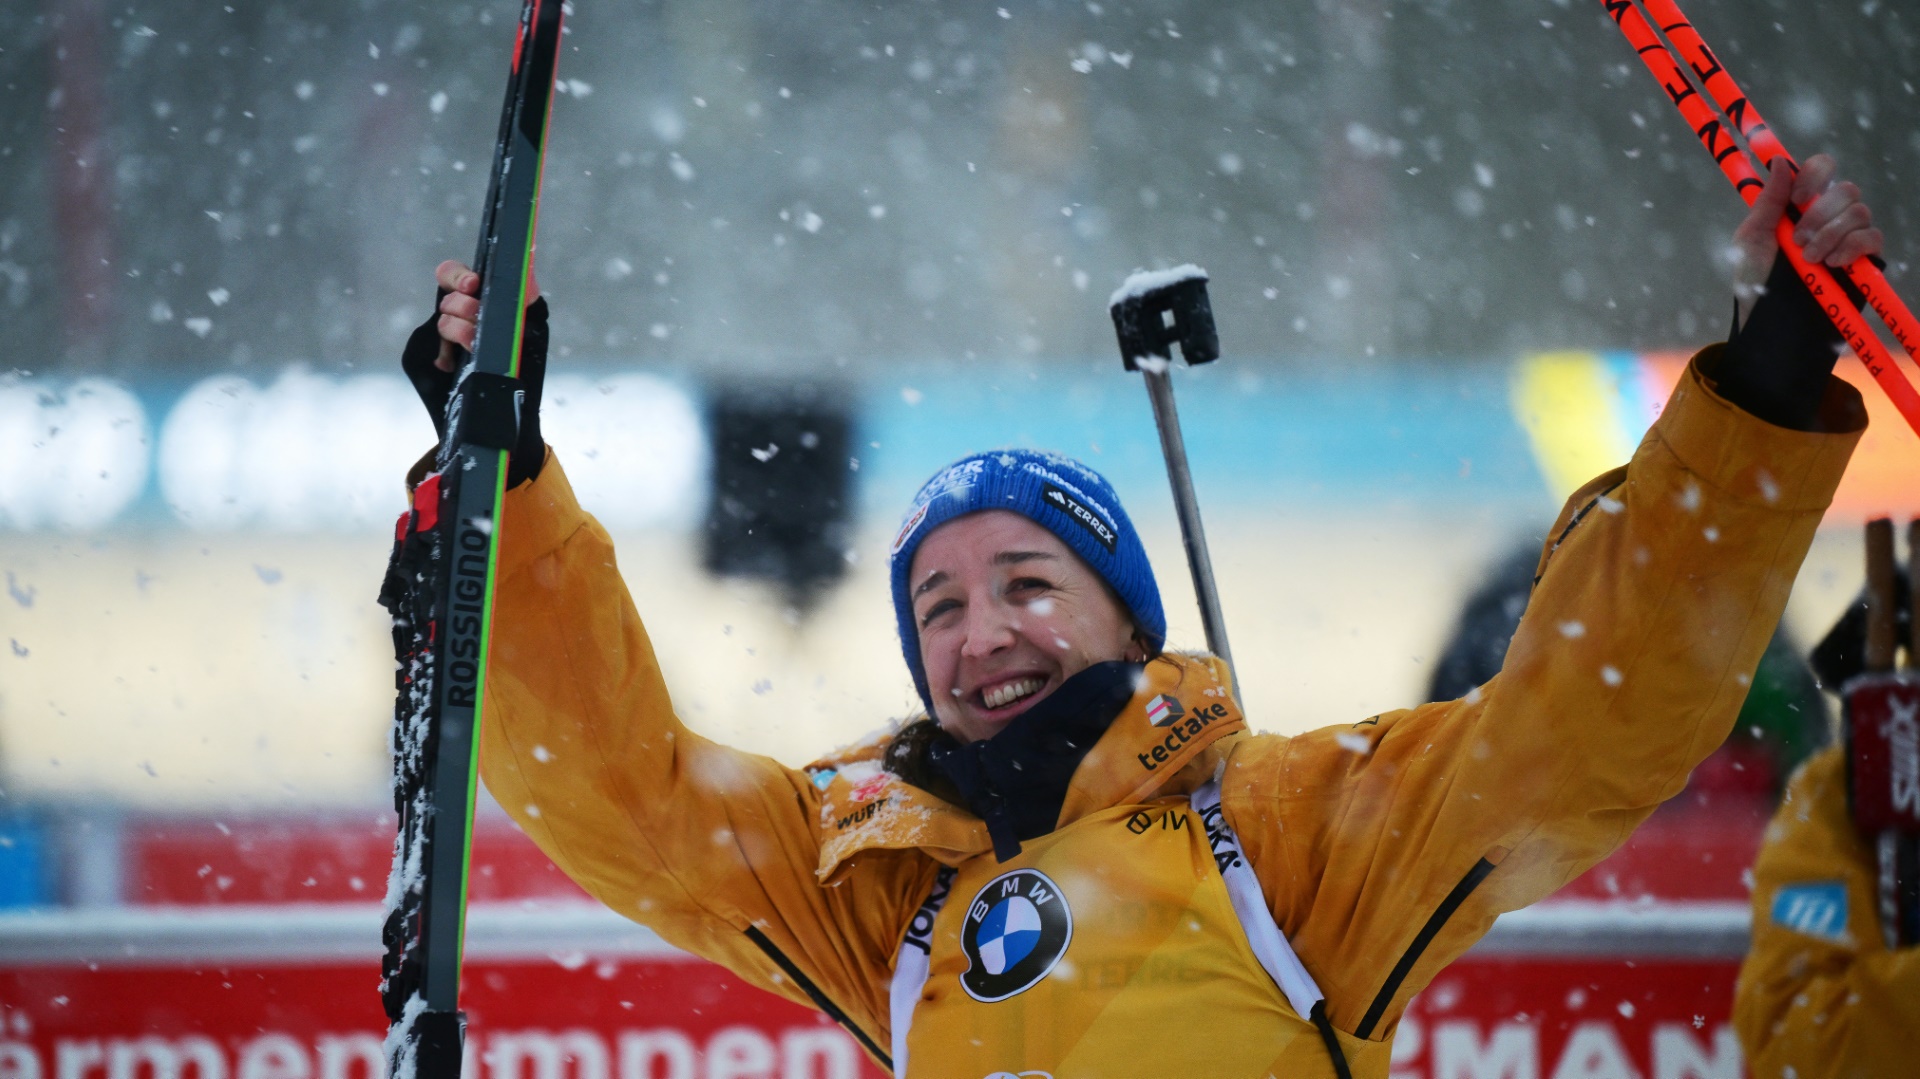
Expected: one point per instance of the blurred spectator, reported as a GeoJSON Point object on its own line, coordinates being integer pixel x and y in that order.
{"type": "Point", "coordinates": [1784, 720]}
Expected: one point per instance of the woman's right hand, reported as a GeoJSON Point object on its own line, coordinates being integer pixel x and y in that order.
{"type": "Point", "coordinates": [460, 307]}
{"type": "Point", "coordinates": [430, 360]}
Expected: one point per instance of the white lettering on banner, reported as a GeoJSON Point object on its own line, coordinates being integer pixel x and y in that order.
{"type": "Point", "coordinates": [801, 1049]}
{"type": "Point", "coordinates": [72, 1060]}
{"type": "Point", "coordinates": [735, 1052]}
{"type": "Point", "coordinates": [274, 1056]}
{"type": "Point", "coordinates": [1408, 1042]}
{"type": "Point", "coordinates": [18, 1061]}
{"type": "Point", "coordinates": [740, 1053]}
{"type": "Point", "coordinates": [1678, 1054]}
{"type": "Point", "coordinates": [161, 1058]}
{"type": "Point", "coordinates": [1512, 1051]}
{"type": "Point", "coordinates": [639, 1051]}
{"type": "Point", "coordinates": [549, 1054]}
{"type": "Point", "coordinates": [339, 1052]}
{"type": "Point", "coordinates": [1594, 1052]}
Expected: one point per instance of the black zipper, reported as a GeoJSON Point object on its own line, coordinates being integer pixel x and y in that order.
{"type": "Point", "coordinates": [1427, 932]}
{"type": "Point", "coordinates": [1325, 1026]}
{"type": "Point", "coordinates": [814, 993]}
{"type": "Point", "coordinates": [1581, 515]}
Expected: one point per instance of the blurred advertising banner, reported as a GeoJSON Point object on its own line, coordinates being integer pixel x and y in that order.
{"type": "Point", "coordinates": [1533, 1018]}
{"type": "Point", "coordinates": [249, 950]}
{"type": "Point", "coordinates": [178, 553]}
{"type": "Point", "coordinates": [288, 991]}
{"type": "Point", "coordinates": [310, 453]}
{"type": "Point", "coordinates": [574, 992]}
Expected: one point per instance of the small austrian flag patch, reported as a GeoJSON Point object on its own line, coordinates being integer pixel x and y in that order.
{"type": "Point", "coordinates": [1163, 710]}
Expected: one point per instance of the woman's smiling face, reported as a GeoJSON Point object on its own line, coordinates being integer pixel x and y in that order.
{"type": "Point", "coordinates": [1005, 614]}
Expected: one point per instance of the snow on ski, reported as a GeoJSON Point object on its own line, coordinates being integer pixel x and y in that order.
{"type": "Point", "coordinates": [439, 589]}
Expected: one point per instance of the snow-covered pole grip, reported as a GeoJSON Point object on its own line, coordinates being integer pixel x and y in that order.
{"type": "Point", "coordinates": [1730, 136]}
{"type": "Point", "coordinates": [1153, 311]}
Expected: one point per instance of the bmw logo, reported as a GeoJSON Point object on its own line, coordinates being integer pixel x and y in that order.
{"type": "Point", "coordinates": [1017, 928]}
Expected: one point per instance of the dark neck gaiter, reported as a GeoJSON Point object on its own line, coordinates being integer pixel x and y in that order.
{"type": "Point", "coordinates": [1017, 780]}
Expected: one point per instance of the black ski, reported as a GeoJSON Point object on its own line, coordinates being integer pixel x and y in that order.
{"type": "Point", "coordinates": [439, 589]}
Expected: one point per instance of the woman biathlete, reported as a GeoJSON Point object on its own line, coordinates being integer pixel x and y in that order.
{"type": "Point", "coordinates": [1079, 861]}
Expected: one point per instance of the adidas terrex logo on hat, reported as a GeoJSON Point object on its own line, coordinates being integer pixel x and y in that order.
{"type": "Point", "coordinates": [1163, 710]}
{"type": "Point", "coordinates": [1080, 514]}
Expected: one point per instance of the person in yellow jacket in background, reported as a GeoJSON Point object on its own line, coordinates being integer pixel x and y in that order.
{"type": "Point", "coordinates": [1821, 995]}
{"type": "Point", "coordinates": [1831, 985]}
{"type": "Point", "coordinates": [1080, 862]}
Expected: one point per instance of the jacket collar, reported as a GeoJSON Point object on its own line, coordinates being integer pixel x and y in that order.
{"type": "Point", "coordinates": [1165, 737]}
{"type": "Point", "coordinates": [1016, 782]}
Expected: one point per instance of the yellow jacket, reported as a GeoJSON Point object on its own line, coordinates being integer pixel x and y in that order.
{"type": "Point", "coordinates": [1820, 996]}
{"type": "Point", "coordinates": [1383, 849]}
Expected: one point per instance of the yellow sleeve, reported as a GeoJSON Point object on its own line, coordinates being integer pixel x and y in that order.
{"type": "Point", "coordinates": [1387, 848]}
{"type": "Point", "coordinates": [1819, 994]}
{"type": "Point", "coordinates": [709, 846]}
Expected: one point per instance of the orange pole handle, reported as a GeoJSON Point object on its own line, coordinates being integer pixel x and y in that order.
{"type": "Point", "coordinates": [1709, 128]}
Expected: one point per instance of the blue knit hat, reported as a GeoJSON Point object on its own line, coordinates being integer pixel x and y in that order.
{"type": "Point", "coordinates": [1056, 492]}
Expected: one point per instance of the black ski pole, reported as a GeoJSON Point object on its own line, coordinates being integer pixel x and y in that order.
{"type": "Point", "coordinates": [1152, 312]}
{"type": "Point", "coordinates": [439, 588]}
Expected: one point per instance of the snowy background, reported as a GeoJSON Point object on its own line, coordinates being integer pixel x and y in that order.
{"type": "Point", "coordinates": [218, 221]}
{"type": "Point", "coordinates": [202, 188]}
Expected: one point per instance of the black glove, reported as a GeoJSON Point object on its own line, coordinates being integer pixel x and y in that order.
{"type": "Point", "coordinates": [435, 386]}
{"type": "Point", "coordinates": [1776, 367]}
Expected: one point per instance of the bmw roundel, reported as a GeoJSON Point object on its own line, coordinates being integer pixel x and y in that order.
{"type": "Point", "coordinates": [1017, 928]}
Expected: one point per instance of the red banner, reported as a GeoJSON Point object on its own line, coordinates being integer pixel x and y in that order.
{"type": "Point", "coordinates": [589, 1019]}
{"type": "Point", "coordinates": [1595, 1019]}
{"type": "Point", "coordinates": [248, 951]}
{"type": "Point", "coordinates": [586, 1018]}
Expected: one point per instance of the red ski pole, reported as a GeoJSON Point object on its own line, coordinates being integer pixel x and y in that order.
{"type": "Point", "coordinates": [1685, 41]}
{"type": "Point", "coordinates": [1717, 133]}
